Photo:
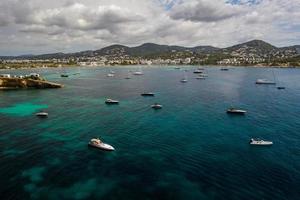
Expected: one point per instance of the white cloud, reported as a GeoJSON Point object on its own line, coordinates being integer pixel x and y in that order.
{"type": "Point", "coordinates": [73, 25]}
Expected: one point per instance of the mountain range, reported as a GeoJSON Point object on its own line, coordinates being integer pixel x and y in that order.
{"type": "Point", "coordinates": [257, 48]}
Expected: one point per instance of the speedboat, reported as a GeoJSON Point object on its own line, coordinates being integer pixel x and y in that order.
{"type": "Point", "coordinates": [64, 75]}
{"type": "Point", "coordinates": [97, 143]}
{"type": "Point", "coordinates": [156, 106]}
{"type": "Point", "coordinates": [42, 114]}
{"type": "Point", "coordinates": [236, 111]}
{"type": "Point", "coordinates": [110, 75]}
{"type": "Point", "coordinates": [183, 80]}
{"type": "Point", "coordinates": [148, 94]}
{"type": "Point", "coordinates": [265, 81]}
{"type": "Point", "coordinates": [260, 142]}
{"type": "Point", "coordinates": [198, 71]}
{"type": "Point", "coordinates": [111, 101]}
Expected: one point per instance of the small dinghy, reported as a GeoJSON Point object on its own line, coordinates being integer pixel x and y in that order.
{"type": "Point", "coordinates": [111, 101]}
{"type": "Point", "coordinates": [260, 142]}
{"type": "Point", "coordinates": [97, 143]}
{"type": "Point", "coordinates": [42, 114]}
{"type": "Point", "coordinates": [148, 94]}
{"type": "Point", "coordinates": [156, 106]}
{"type": "Point", "coordinates": [236, 111]}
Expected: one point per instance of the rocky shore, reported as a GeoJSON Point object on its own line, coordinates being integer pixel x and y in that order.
{"type": "Point", "coordinates": [26, 83]}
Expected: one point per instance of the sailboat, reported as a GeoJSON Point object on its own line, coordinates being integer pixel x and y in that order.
{"type": "Point", "coordinates": [64, 74]}
{"type": "Point", "coordinates": [278, 87]}
{"type": "Point", "coordinates": [138, 72]}
{"type": "Point", "coordinates": [266, 81]}
{"type": "Point", "coordinates": [128, 75]}
{"type": "Point", "coordinates": [184, 80]}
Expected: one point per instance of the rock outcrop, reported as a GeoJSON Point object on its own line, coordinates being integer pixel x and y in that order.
{"type": "Point", "coordinates": [26, 83]}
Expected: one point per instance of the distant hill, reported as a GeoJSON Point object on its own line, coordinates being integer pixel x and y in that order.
{"type": "Point", "coordinates": [253, 48]}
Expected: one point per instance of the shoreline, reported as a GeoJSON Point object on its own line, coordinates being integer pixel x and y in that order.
{"type": "Point", "coordinates": [181, 66]}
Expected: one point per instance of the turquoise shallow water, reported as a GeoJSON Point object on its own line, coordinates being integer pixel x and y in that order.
{"type": "Point", "coordinates": [191, 149]}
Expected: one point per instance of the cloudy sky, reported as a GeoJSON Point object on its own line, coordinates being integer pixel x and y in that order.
{"type": "Point", "coordinates": [40, 26]}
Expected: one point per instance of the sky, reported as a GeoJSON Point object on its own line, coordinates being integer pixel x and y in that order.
{"type": "Point", "coordinates": [40, 26]}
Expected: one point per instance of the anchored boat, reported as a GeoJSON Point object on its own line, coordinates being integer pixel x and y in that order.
{"type": "Point", "coordinates": [97, 143]}
{"type": "Point", "coordinates": [265, 81]}
{"type": "Point", "coordinates": [148, 94]}
{"type": "Point", "coordinates": [42, 114]}
{"type": "Point", "coordinates": [111, 101]}
{"type": "Point", "coordinates": [260, 142]}
{"type": "Point", "coordinates": [156, 106]}
{"type": "Point", "coordinates": [236, 111]}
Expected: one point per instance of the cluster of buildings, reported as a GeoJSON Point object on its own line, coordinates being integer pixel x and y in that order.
{"type": "Point", "coordinates": [34, 76]}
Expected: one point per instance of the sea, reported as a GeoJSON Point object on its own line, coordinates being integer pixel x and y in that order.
{"type": "Point", "coordinates": [189, 149]}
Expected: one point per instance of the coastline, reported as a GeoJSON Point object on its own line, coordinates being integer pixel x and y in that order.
{"type": "Point", "coordinates": [107, 66]}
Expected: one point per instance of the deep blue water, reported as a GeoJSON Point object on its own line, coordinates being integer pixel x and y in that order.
{"type": "Point", "coordinates": [191, 149]}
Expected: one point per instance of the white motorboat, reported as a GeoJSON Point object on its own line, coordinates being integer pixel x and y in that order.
{"type": "Point", "coordinates": [203, 75]}
{"type": "Point", "coordinates": [138, 73]}
{"type": "Point", "coordinates": [183, 80]}
{"type": "Point", "coordinates": [42, 114]}
{"type": "Point", "coordinates": [156, 106]}
{"type": "Point", "coordinates": [260, 142]}
{"type": "Point", "coordinates": [110, 75]}
{"type": "Point", "coordinates": [97, 143]}
{"type": "Point", "coordinates": [111, 101]}
{"type": "Point", "coordinates": [200, 77]}
{"type": "Point", "coordinates": [265, 81]}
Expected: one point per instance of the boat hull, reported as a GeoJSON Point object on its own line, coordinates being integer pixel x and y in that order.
{"type": "Point", "coordinates": [105, 147]}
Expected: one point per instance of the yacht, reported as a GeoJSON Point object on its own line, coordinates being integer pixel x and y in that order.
{"type": "Point", "coordinates": [156, 106]}
{"type": "Point", "coordinates": [265, 81]}
{"type": "Point", "coordinates": [260, 142]}
{"type": "Point", "coordinates": [111, 101]}
{"type": "Point", "coordinates": [97, 143]}
{"type": "Point", "coordinates": [42, 114]}
{"type": "Point", "coordinates": [110, 75]}
{"type": "Point", "coordinates": [148, 94]}
{"type": "Point", "coordinates": [236, 111]}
